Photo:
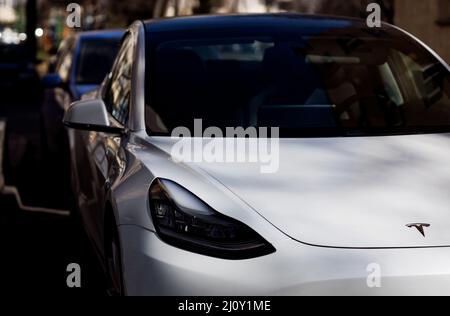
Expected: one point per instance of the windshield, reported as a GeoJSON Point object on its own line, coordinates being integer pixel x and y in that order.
{"type": "Point", "coordinates": [95, 60]}
{"type": "Point", "coordinates": [315, 85]}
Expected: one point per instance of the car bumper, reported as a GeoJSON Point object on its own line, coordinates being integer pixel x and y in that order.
{"type": "Point", "coordinates": [151, 267]}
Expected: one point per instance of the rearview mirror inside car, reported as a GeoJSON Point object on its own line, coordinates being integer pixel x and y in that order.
{"type": "Point", "coordinates": [90, 115]}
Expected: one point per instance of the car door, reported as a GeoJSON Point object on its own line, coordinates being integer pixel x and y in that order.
{"type": "Point", "coordinates": [104, 152]}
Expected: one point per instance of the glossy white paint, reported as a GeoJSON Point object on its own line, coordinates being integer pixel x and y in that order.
{"type": "Point", "coordinates": [295, 269]}
{"type": "Point", "coordinates": [348, 192]}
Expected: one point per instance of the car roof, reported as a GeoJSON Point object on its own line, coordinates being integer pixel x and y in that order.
{"type": "Point", "coordinates": [288, 20]}
{"type": "Point", "coordinates": [104, 34]}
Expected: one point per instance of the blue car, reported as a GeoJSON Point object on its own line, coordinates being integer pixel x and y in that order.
{"type": "Point", "coordinates": [82, 62]}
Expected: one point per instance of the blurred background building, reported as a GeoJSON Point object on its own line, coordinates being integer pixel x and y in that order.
{"type": "Point", "coordinates": [99, 14]}
{"type": "Point", "coordinates": [427, 19]}
{"type": "Point", "coordinates": [12, 21]}
{"type": "Point", "coordinates": [354, 8]}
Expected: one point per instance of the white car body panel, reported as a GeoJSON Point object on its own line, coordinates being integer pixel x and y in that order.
{"type": "Point", "coordinates": [361, 191]}
{"type": "Point", "coordinates": [295, 269]}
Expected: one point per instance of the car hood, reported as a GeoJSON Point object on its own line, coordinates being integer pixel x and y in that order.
{"type": "Point", "coordinates": [357, 192]}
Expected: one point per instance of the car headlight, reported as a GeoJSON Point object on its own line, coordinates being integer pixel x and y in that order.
{"type": "Point", "coordinates": [184, 221]}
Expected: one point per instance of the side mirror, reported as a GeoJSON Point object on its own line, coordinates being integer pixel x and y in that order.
{"type": "Point", "coordinates": [52, 81]}
{"type": "Point", "coordinates": [90, 115]}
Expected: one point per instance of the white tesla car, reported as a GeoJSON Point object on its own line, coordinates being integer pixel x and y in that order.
{"type": "Point", "coordinates": [349, 193]}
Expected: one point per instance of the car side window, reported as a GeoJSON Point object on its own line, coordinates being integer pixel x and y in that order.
{"type": "Point", "coordinates": [118, 92]}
